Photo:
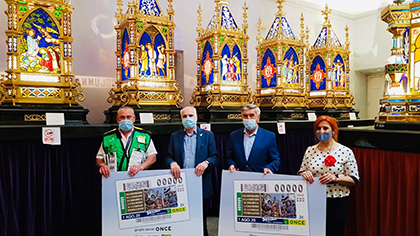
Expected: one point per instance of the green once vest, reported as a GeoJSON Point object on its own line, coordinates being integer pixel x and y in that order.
{"type": "Point", "coordinates": [112, 143]}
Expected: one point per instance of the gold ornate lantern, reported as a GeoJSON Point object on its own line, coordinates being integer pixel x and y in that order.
{"type": "Point", "coordinates": [145, 60]}
{"type": "Point", "coordinates": [39, 73]}
{"type": "Point", "coordinates": [280, 67]}
{"type": "Point", "coordinates": [400, 105]}
{"type": "Point", "coordinates": [328, 73]}
{"type": "Point", "coordinates": [222, 61]}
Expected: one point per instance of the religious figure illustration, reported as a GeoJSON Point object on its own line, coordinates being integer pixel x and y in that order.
{"type": "Point", "coordinates": [338, 75]}
{"type": "Point", "coordinates": [126, 60]}
{"type": "Point", "coordinates": [225, 64]}
{"type": "Point", "coordinates": [32, 43]}
{"type": "Point", "coordinates": [54, 59]}
{"type": "Point", "coordinates": [46, 34]}
{"type": "Point", "coordinates": [231, 70]}
{"type": "Point", "coordinates": [152, 58]}
{"type": "Point", "coordinates": [207, 67]}
{"type": "Point", "coordinates": [161, 60]}
{"type": "Point", "coordinates": [238, 68]}
{"type": "Point", "coordinates": [290, 75]}
{"type": "Point", "coordinates": [40, 54]}
{"type": "Point", "coordinates": [268, 71]}
{"type": "Point", "coordinates": [318, 76]}
{"type": "Point", "coordinates": [143, 60]}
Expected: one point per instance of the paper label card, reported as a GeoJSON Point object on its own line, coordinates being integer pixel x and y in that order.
{"type": "Point", "coordinates": [312, 116]}
{"type": "Point", "coordinates": [55, 118]}
{"type": "Point", "coordinates": [146, 118]}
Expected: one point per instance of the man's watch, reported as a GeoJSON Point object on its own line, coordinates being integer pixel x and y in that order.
{"type": "Point", "coordinates": [206, 161]}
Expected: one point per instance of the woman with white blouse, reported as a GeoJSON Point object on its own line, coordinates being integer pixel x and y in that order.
{"type": "Point", "coordinates": [336, 166]}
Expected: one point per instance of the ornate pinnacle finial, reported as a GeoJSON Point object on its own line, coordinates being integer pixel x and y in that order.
{"type": "Point", "coordinates": [302, 27]}
{"type": "Point", "coordinates": [398, 2]}
{"type": "Point", "coordinates": [280, 7]}
{"type": "Point", "coordinates": [307, 35]}
{"type": "Point", "coordinates": [119, 4]}
{"type": "Point", "coordinates": [326, 12]}
{"type": "Point", "coordinates": [245, 24]}
{"type": "Point", "coordinates": [119, 13]}
{"type": "Point", "coordinates": [170, 10]}
{"type": "Point", "coordinates": [217, 4]}
{"type": "Point", "coordinates": [347, 37]}
{"type": "Point", "coordinates": [216, 13]}
{"type": "Point", "coordinates": [259, 30]}
{"type": "Point", "coordinates": [199, 11]}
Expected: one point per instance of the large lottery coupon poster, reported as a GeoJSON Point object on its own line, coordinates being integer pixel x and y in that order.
{"type": "Point", "coordinates": [145, 201]}
{"type": "Point", "coordinates": [271, 206]}
{"type": "Point", "coordinates": [152, 203]}
{"type": "Point", "coordinates": [258, 205]}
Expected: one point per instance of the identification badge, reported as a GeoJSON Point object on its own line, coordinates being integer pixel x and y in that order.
{"type": "Point", "coordinates": [141, 139]}
{"type": "Point", "coordinates": [137, 157]}
{"type": "Point", "coordinates": [111, 161]}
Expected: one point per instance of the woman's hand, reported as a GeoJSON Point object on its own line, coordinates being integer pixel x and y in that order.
{"type": "Point", "coordinates": [327, 178]}
{"type": "Point", "coordinates": [307, 175]}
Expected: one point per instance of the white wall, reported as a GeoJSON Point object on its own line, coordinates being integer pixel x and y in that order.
{"type": "Point", "coordinates": [94, 45]}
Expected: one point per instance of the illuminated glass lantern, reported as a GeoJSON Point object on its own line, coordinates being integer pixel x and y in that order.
{"type": "Point", "coordinates": [222, 61]}
{"type": "Point", "coordinates": [145, 57]}
{"type": "Point", "coordinates": [39, 70]}
{"type": "Point", "coordinates": [280, 65]}
{"type": "Point", "coordinates": [401, 101]}
{"type": "Point", "coordinates": [328, 71]}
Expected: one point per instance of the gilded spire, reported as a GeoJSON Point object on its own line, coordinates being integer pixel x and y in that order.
{"type": "Point", "coordinates": [307, 35]}
{"type": "Point", "coordinates": [245, 24]}
{"type": "Point", "coordinates": [259, 30]}
{"type": "Point", "coordinates": [216, 13]}
{"type": "Point", "coordinates": [347, 37]}
{"type": "Point", "coordinates": [199, 11]}
{"type": "Point", "coordinates": [119, 13]}
{"type": "Point", "coordinates": [302, 28]}
{"type": "Point", "coordinates": [170, 10]}
{"type": "Point", "coordinates": [280, 12]}
{"type": "Point", "coordinates": [326, 12]}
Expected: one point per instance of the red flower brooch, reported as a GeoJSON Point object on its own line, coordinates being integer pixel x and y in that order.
{"type": "Point", "coordinates": [329, 160]}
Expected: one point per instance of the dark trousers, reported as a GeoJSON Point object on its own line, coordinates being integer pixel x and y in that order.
{"type": "Point", "coordinates": [205, 206]}
{"type": "Point", "coordinates": [337, 210]}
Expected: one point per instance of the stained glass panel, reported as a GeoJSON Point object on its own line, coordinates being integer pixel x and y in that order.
{"type": "Point", "coordinates": [40, 44]}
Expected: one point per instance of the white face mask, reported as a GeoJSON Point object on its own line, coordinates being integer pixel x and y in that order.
{"type": "Point", "coordinates": [250, 124]}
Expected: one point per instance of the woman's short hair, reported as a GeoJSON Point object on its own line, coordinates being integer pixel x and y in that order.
{"type": "Point", "coordinates": [332, 121]}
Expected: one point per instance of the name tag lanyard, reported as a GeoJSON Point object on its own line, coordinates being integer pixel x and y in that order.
{"type": "Point", "coordinates": [126, 149]}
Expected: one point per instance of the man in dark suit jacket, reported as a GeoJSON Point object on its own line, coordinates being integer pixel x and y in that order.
{"type": "Point", "coordinates": [253, 148]}
{"type": "Point", "coordinates": [193, 147]}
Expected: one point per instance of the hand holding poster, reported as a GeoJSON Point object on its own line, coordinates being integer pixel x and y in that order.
{"type": "Point", "coordinates": [257, 204]}
{"type": "Point", "coordinates": [152, 203]}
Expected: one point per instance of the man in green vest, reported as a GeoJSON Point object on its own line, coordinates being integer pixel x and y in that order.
{"type": "Point", "coordinates": [127, 148]}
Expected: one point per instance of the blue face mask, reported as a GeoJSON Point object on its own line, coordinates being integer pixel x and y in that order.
{"type": "Point", "coordinates": [126, 125]}
{"type": "Point", "coordinates": [324, 137]}
{"type": "Point", "coordinates": [189, 122]}
{"type": "Point", "coordinates": [250, 124]}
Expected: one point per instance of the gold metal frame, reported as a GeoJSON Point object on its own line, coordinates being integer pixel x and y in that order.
{"type": "Point", "coordinates": [331, 97]}
{"type": "Point", "coordinates": [66, 90]}
{"type": "Point", "coordinates": [218, 94]}
{"type": "Point", "coordinates": [281, 96]}
{"type": "Point", "coordinates": [137, 90]}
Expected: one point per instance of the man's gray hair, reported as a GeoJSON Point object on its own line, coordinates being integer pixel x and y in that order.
{"type": "Point", "coordinates": [252, 106]}
{"type": "Point", "coordinates": [126, 107]}
{"type": "Point", "coordinates": [195, 110]}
